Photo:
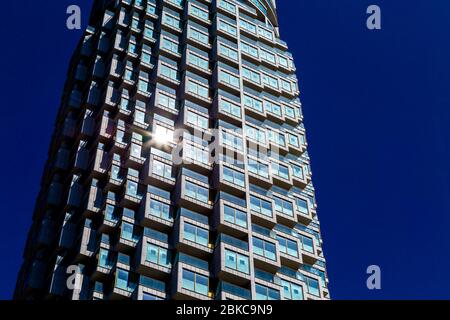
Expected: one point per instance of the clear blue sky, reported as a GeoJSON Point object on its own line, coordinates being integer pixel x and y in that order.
{"type": "Point", "coordinates": [377, 112]}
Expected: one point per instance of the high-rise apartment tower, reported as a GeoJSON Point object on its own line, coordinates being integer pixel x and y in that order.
{"type": "Point", "coordinates": [178, 167]}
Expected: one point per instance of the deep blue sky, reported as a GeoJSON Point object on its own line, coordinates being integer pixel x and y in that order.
{"type": "Point", "coordinates": [377, 109]}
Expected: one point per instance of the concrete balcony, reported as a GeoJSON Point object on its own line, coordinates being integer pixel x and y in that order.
{"type": "Point", "coordinates": [265, 262]}
{"type": "Point", "coordinates": [153, 215]}
{"type": "Point", "coordinates": [261, 217]}
{"type": "Point", "coordinates": [227, 109]}
{"type": "Point", "coordinates": [229, 178]}
{"type": "Point", "coordinates": [231, 218]}
{"type": "Point", "coordinates": [193, 244]}
{"type": "Point", "coordinates": [195, 201]}
{"type": "Point", "coordinates": [152, 174]}
{"type": "Point", "coordinates": [149, 266]}
{"type": "Point", "coordinates": [195, 157]}
{"type": "Point", "coordinates": [232, 271]}
{"type": "Point", "coordinates": [191, 290]}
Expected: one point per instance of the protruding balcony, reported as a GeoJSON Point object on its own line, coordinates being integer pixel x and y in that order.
{"type": "Point", "coordinates": [191, 279]}
{"type": "Point", "coordinates": [230, 215]}
{"type": "Point", "coordinates": [229, 178]}
{"type": "Point", "coordinates": [265, 250]}
{"type": "Point", "coordinates": [192, 234]}
{"type": "Point", "coordinates": [231, 260]}
{"type": "Point", "coordinates": [153, 256]}
{"type": "Point", "coordinates": [261, 210]}
{"type": "Point", "coordinates": [228, 291]}
{"type": "Point", "coordinates": [192, 191]}
{"type": "Point", "coordinates": [157, 212]}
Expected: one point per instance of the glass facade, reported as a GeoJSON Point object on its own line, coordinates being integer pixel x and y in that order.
{"type": "Point", "coordinates": [190, 176]}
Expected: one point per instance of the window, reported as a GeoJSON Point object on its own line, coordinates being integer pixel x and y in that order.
{"type": "Point", "coordinates": [273, 108]}
{"type": "Point", "coordinates": [148, 32]}
{"type": "Point", "coordinates": [291, 291]}
{"type": "Point", "coordinates": [312, 286]}
{"type": "Point", "coordinates": [307, 243]}
{"type": "Point", "coordinates": [237, 262]}
{"type": "Point", "coordinates": [270, 81]}
{"type": "Point", "coordinates": [198, 89]}
{"type": "Point", "coordinates": [277, 137]}
{"type": "Point", "coordinates": [171, 21]}
{"type": "Point", "coordinates": [265, 33]}
{"type": "Point", "coordinates": [177, 2]}
{"type": "Point", "coordinates": [234, 177]}
{"type": "Point", "coordinates": [283, 61]}
{"type": "Point", "coordinates": [169, 72]}
{"type": "Point", "coordinates": [258, 168]}
{"type": "Point", "coordinates": [268, 56]}
{"type": "Point", "coordinates": [280, 170]}
{"type": "Point", "coordinates": [196, 234]}
{"type": "Point", "coordinates": [261, 206]}
{"type": "Point", "coordinates": [161, 169]}
{"type": "Point", "coordinates": [250, 27]}
{"type": "Point", "coordinates": [127, 231]}
{"type": "Point", "coordinates": [283, 206]}
{"type": "Point", "coordinates": [199, 13]}
{"type": "Point", "coordinates": [166, 101]}
{"type": "Point", "coordinates": [195, 282]}
{"type": "Point", "coordinates": [227, 27]}
{"type": "Point", "coordinates": [122, 280]}
{"type": "Point", "coordinates": [151, 9]}
{"type": "Point", "coordinates": [139, 116]}
{"type": "Point", "coordinates": [286, 85]}
{"type": "Point", "coordinates": [143, 85]}
{"type": "Point", "coordinates": [197, 120]}
{"type": "Point", "coordinates": [135, 23]}
{"type": "Point", "coordinates": [253, 103]}
{"type": "Point", "coordinates": [288, 246]}
{"type": "Point", "coordinates": [290, 112]}
{"type": "Point", "coordinates": [251, 75]}
{"type": "Point", "coordinates": [227, 6]}
{"type": "Point", "coordinates": [265, 293]}
{"type": "Point", "coordinates": [235, 216]}
{"type": "Point", "coordinates": [196, 192]}
{"type": "Point", "coordinates": [198, 35]}
{"type": "Point", "coordinates": [111, 214]}
{"type": "Point", "coordinates": [298, 171]}
{"type": "Point", "coordinates": [196, 154]}
{"type": "Point", "coordinates": [231, 140]}
{"type": "Point", "coordinates": [250, 50]}
{"type": "Point", "coordinates": [264, 249]}
{"type": "Point", "coordinates": [136, 150]}
{"type": "Point", "coordinates": [256, 134]}
{"type": "Point", "coordinates": [199, 61]}
{"type": "Point", "coordinates": [132, 48]}
{"type": "Point", "coordinates": [230, 79]}
{"type": "Point", "coordinates": [230, 108]}
{"type": "Point", "coordinates": [158, 255]}
{"type": "Point", "coordinates": [302, 206]}
{"type": "Point", "coordinates": [103, 260]}
{"type": "Point", "coordinates": [159, 209]}
{"type": "Point", "coordinates": [228, 52]}
{"type": "Point", "coordinates": [132, 188]}
{"type": "Point", "coordinates": [170, 45]}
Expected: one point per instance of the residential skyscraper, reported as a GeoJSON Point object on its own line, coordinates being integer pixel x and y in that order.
{"type": "Point", "coordinates": [178, 167]}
